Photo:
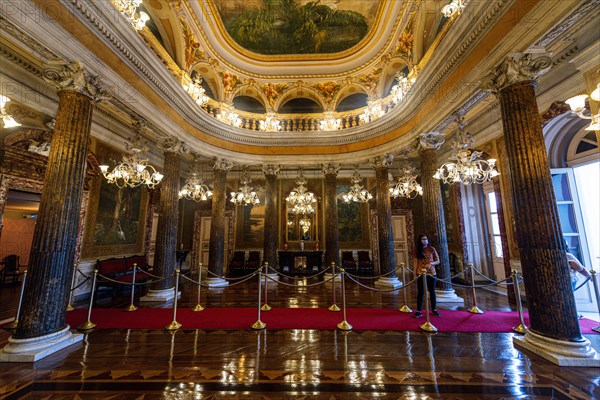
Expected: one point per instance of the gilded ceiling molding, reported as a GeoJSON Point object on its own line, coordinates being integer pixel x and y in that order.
{"type": "Point", "coordinates": [73, 77]}
{"type": "Point", "coordinates": [271, 169]}
{"type": "Point", "coordinates": [34, 45]}
{"type": "Point", "coordinates": [330, 168]}
{"type": "Point", "coordinates": [384, 161]}
{"type": "Point", "coordinates": [515, 68]}
{"type": "Point", "coordinates": [431, 140]}
{"type": "Point", "coordinates": [590, 8]}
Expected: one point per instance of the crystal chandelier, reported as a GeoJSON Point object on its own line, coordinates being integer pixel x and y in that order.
{"type": "Point", "coordinates": [9, 121]}
{"type": "Point", "coordinates": [467, 167]}
{"type": "Point", "coordinates": [400, 90]}
{"type": "Point", "coordinates": [577, 105]}
{"type": "Point", "coordinates": [454, 8]}
{"type": "Point", "coordinates": [305, 224]}
{"type": "Point", "coordinates": [129, 9]}
{"type": "Point", "coordinates": [330, 122]}
{"type": "Point", "coordinates": [246, 194]}
{"type": "Point", "coordinates": [271, 123]}
{"type": "Point", "coordinates": [300, 198]}
{"type": "Point", "coordinates": [197, 92]}
{"type": "Point", "coordinates": [194, 187]}
{"type": "Point", "coordinates": [357, 193]}
{"type": "Point", "coordinates": [406, 185]}
{"type": "Point", "coordinates": [228, 115]}
{"type": "Point", "coordinates": [373, 111]}
{"type": "Point", "coordinates": [133, 170]}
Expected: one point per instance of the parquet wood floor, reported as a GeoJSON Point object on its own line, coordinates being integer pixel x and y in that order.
{"type": "Point", "coordinates": [295, 364]}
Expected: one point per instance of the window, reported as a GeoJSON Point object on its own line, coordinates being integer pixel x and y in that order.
{"type": "Point", "coordinates": [496, 239]}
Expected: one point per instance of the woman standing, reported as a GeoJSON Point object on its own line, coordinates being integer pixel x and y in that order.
{"type": "Point", "coordinates": [425, 261]}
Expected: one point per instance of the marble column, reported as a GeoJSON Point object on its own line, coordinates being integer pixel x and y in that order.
{"type": "Point", "coordinates": [216, 246]}
{"type": "Point", "coordinates": [385, 235]}
{"type": "Point", "coordinates": [433, 213]}
{"type": "Point", "coordinates": [332, 231]}
{"type": "Point", "coordinates": [168, 216]}
{"type": "Point", "coordinates": [554, 332]}
{"type": "Point", "coordinates": [42, 329]}
{"type": "Point", "coordinates": [271, 216]}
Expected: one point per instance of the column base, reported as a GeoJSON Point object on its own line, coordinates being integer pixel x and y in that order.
{"type": "Point", "coordinates": [388, 282]}
{"type": "Point", "coordinates": [33, 349]}
{"type": "Point", "coordinates": [159, 296]}
{"type": "Point", "coordinates": [448, 296]}
{"type": "Point", "coordinates": [559, 352]}
{"type": "Point", "coordinates": [216, 282]}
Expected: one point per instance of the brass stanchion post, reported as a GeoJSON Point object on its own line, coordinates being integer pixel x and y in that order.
{"type": "Point", "coordinates": [595, 282]}
{"type": "Point", "coordinates": [14, 324]}
{"type": "Point", "coordinates": [266, 306]}
{"type": "Point", "coordinates": [334, 306]}
{"type": "Point", "coordinates": [344, 325]}
{"type": "Point", "coordinates": [70, 305]}
{"type": "Point", "coordinates": [474, 309]}
{"type": "Point", "coordinates": [131, 307]}
{"type": "Point", "coordinates": [198, 307]}
{"type": "Point", "coordinates": [258, 325]}
{"type": "Point", "coordinates": [87, 325]}
{"type": "Point", "coordinates": [174, 325]}
{"type": "Point", "coordinates": [427, 326]}
{"type": "Point", "coordinates": [405, 308]}
{"type": "Point", "coordinates": [521, 328]}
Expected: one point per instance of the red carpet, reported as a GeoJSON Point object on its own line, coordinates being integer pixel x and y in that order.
{"type": "Point", "coordinates": [303, 318]}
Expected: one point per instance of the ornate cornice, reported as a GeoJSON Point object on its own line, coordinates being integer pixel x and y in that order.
{"type": "Point", "coordinates": [171, 145]}
{"type": "Point", "coordinates": [330, 168]}
{"type": "Point", "coordinates": [589, 7]}
{"type": "Point", "coordinates": [431, 140]}
{"type": "Point", "coordinates": [34, 45]}
{"type": "Point", "coordinates": [73, 77]}
{"type": "Point", "coordinates": [384, 161]}
{"type": "Point", "coordinates": [271, 169]}
{"type": "Point", "coordinates": [518, 67]}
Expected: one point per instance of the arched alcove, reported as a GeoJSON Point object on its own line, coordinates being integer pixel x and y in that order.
{"type": "Point", "coordinates": [300, 106]}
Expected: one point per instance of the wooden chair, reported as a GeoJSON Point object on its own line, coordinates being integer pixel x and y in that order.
{"type": "Point", "coordinates": [253, 261]}
{"type": "Point", "coordinates": [365, 265]}
{"type": "Point", "coordinates": [10, 269]}
{"type": "Point", "coordinates": [348, 262]}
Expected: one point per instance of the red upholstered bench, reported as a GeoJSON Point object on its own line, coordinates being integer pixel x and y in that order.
{"type": "Point", "coordinates": [121, 270]}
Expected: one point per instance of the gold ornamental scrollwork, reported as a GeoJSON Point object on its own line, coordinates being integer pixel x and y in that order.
{"type": "Point", "coordinates": [271, 169]}
{"type": "Point", "coordinates": [431, 140]}
{"type": "Point", "coordinates": [384, 161]}
{"type": "Point", "coordinates": [330, 168]}
{"type": "Point", "coordinates": [222, 164]}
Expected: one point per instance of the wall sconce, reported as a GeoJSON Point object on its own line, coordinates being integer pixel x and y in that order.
{"type": "Point", "coordinates": [577, 104]}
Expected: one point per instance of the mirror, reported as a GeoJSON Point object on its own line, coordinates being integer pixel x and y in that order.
{"type": "Point", "coordinates": [300, 227]}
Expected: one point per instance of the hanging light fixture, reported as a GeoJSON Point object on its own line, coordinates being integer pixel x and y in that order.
{"type": "Point", "coordinates": [400, 90]}
{"type": "Point", "coordinates": [197, 92]}
{"type": "Point", "coordinates": [357, 193]}
{"type": "Point", "coordinates": [577, 105]}
{"type": "Point", "coordinates": [270, 123]}
{"type": "Point", "coordinates": [406, 184]}
{"type": "Point", "coordinates": [228, 115]}
{"type": "Point", "coordinates": [300, 198]}
{"type": "Point", "coordinates": [194, 187]}
{"type": "Point", "coordinates": [373, 111]}
{"type": "Point", "coordinates": [133, 170]}
{"type": "Point", "coordinates": [246, 194]}
{"type": "Point", "coordinates": [330, 122]}
{"type": "Point", "coordinates": [454, 8]}
{"type": "Point", "coordinates": [466, 167]}
{"type": "Point", "coordinates": [129, 8]}
{"type": "Point", "coordinates": [9, 121]}
{"type": "Point", "coordinates": [305, 224]}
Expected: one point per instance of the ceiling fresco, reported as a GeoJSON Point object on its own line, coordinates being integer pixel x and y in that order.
{"type": "Point", "coordinates": [279, 27]}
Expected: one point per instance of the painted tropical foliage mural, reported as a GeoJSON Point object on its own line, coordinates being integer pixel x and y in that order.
{"type": "Point", "coordinates": [289, 27]}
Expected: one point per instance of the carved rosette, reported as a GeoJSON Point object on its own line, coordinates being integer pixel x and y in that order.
{"type": "Point", "coordinates": [518, 67]}
{"type": "Point", "coordinates": [330, 168]}
{"type": "Point", "coordinates": [271, 169]}
{"type": "Point", "coordinates": [431, 140]}
{"type": "Point", "coordinates": [73, 77]}
{"type": "Point", "coordinates": [384, 161]}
